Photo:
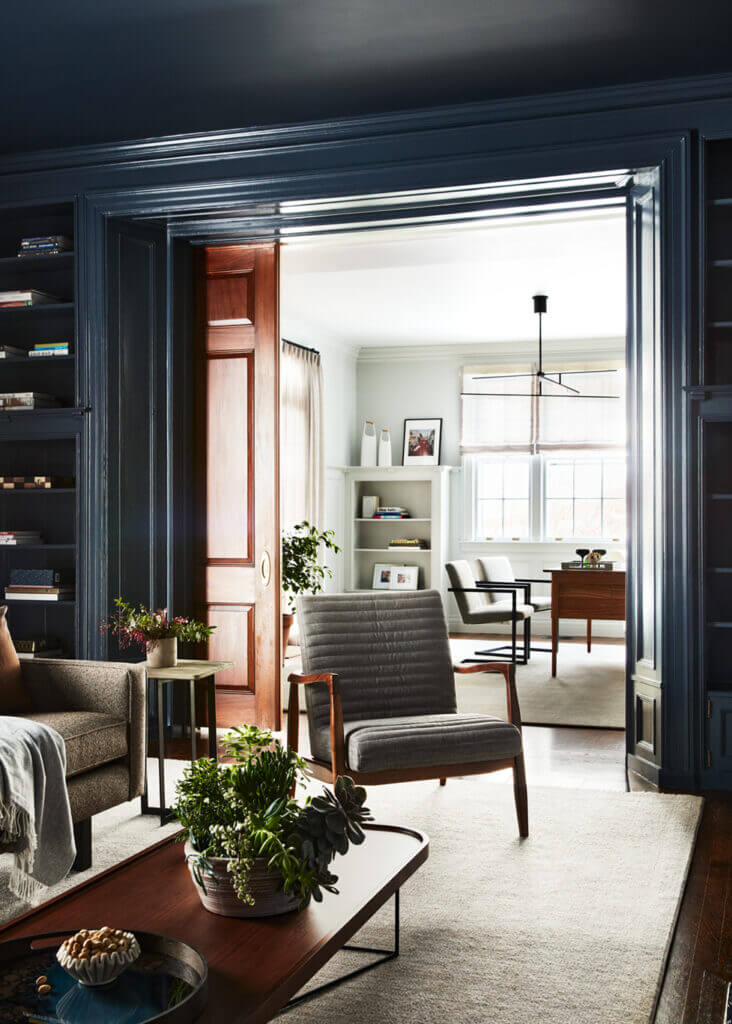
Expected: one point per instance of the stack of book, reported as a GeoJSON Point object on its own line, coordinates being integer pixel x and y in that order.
{"type": "Point", "coordinates": [27, 400]}
{"type": "Point", "coordinates": [50, 348]}
{"type": "Point", "coordinates": [45, 245]}
{"type": "Point", "coordinates": [30, 483]}
{"type": "Point", "coordinates": [407, 542]}
{"type": "Point", "coordinates": [11, 351]}
{"type": "Point", "coordinates": [26, 297]}
{"type": "Point", "coordinates": [15, 538]}
{"type": "Point", "coordinates": [391, 512]}
{"type": "Point", "coordinates": [39, 585]}
{"type": "Point", "coordinates": [39, 647]}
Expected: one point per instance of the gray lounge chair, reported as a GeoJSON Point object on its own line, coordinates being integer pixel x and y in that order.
{"type": "Point", "coordinates": [380, 696]}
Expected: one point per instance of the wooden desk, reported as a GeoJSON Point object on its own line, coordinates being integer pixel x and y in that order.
{"type": "Point", "coordinates": [585, 594]}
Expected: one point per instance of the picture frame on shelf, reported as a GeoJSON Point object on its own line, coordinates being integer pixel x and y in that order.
{"type": "Point", "coordinates": [422, 442]}
{"type": "Point", "coordinates": [404, 577]}
{"type": "Point", "coordinates": [382, 576]}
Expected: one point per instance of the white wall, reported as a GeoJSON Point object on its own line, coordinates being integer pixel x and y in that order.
{"type": "Point", "coordinates": [397, 383]}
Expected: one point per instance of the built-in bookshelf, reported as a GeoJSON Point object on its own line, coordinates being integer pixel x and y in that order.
{"type": "Point", "coordinates": [42, 441]}
{"type": "Point", "coordinates": [424, 492]}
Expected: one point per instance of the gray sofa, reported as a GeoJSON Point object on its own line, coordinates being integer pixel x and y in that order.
{"type": "Point", "coordinates": [99, 709]}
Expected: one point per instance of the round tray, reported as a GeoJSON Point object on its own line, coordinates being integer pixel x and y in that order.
{"type": "Point", "coordinates": [168, 983]}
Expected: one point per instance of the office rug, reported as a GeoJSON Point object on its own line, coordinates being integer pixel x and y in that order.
{"type": "Point", "coordinates": [570, 925]}
{"type": "Point", "coordinates": [589, 689]}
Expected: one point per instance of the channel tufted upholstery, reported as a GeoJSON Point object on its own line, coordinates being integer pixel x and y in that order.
{"type": "Point", "coordinates": [392, 657]}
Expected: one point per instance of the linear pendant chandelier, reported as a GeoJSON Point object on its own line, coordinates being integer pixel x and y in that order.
{"type": "Point", "coordinates": [540, 377]}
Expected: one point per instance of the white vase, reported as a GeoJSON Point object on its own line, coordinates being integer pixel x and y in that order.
{"type": "Point", "coordinates": [385, 447]}
{"type": "Point", "coordinates": [162, 653]}
{"type": "Point", "coordinates": [368, 444]}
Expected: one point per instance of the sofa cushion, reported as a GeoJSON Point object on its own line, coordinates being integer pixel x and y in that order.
{"type": "Point", "coordinates": [14, 698]}
{"type": "Point", "coordinates": [92, 739]}
{"type": "Point", "coordinates": [420, 741]}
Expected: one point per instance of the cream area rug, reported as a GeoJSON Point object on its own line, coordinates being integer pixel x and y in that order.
{"type": "Point", "coordinates": [570, 926]}
{"type": "Point", "coordinates": [589, 689]}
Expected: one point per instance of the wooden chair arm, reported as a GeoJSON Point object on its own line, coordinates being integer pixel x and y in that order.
{"type": "Point", "coordinates": [509, 673]}
{"type": "Point", "coordinates": [337, 738]}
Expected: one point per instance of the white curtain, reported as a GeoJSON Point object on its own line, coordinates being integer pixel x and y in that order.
{"type": "Point", "coordinates": [494, 423]}
{"type": "Point", "coordinates": [302, 488]}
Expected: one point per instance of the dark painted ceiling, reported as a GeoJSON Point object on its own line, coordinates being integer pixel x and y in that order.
{"type": "Point", "coordinates": [84, 71]}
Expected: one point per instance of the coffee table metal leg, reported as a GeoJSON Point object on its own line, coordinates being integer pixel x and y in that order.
{"type": "Point", "coordinates": [161, 749]}
{"type": "Point", "coordinates": [383, 956]}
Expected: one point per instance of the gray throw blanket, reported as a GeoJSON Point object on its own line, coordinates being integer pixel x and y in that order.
{"type": "Point", "coordinates": [35, 816]}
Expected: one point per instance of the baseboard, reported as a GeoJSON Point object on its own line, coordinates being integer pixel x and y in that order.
{"type": "Point", "coordinates": [646, 770]}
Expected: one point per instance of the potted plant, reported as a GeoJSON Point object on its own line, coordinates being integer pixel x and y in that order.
{"type": "Point", "coordinates": [302, 573]}
{"type": "Point", "coordinates": [252, 849]}
{"type": "Point", "coordinates": [154, 632]}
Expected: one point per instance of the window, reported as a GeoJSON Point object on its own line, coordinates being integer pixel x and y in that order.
{"type": "Point", "coordinates": [544, 469]}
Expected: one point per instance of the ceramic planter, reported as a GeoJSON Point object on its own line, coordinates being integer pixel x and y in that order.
{"type": "Point", "coordinates": [265, 886]}
{"type": "Point", "coordinates": [162, 653]}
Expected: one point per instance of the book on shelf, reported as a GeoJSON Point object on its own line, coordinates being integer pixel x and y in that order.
{"type": "Point", "coordinates": [26, 297]}
{"type": "Point", "coordinates": [11, 351]}
{"type": "Point", "coordinates": [31, 483]}
{"type": "Point", "coordinates": [51, 348]}
{"type": "Point", "coordinates": [391, 515]}
{"type": "Point", "coordinates": [27, 400]}
{"type": "Point", "coordinates": [39, 593]}
{"type": "Point", "coordinates": [55, 652]}
{"type": "Point", "coordinates": [36, 644]}
{"type": "Point", "coordinates": [14, 538]}
{"type": "Point", "coordinates": [41, 244]}
{"type": "Point", "coordinates": [407, 542]}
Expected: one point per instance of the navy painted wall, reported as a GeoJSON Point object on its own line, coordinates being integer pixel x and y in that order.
{"type": "Point", "coordinates": [663, 124]}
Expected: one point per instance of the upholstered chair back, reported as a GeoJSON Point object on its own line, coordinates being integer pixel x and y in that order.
{"type": "Point", "coordinates": [390, 650]}
{"type": "Point", "coordinates": [496, 569]}
{"type": "Point", "coordinates": [462, 574]}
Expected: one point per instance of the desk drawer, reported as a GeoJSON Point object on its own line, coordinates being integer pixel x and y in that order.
{"type": "Point", "coordinates": [589, 603]}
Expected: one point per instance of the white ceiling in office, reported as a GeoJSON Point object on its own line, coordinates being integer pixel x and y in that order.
{"type": "Point", "coordinates": [459, 284]}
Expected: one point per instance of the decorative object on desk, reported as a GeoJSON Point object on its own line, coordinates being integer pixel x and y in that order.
{"type": "Point", "coordinates": [382, 576]}
{"type": "Point", "coordinates": [404, 577]}
{"type": "Point", "coordinates": [157, 634]}
{"type": "Point", "coordinates": [252, 849]}
{"type": "Point", "coordinates": [582, 552]}
{"type": "Point", "coordinates": [422, 442]}
{"type": "Point", "coordinates": [368, 444]}
{"type": "Point", "coordinates": [385, 447]}
{"type": "Point", "coordinates": [302, 571]}
{"type": "Point", "coordinates": [369, 505]}
{"type": "Point", "coordinates": [98, 957]}
{"type": "Point", "coordinates": [593, 559]}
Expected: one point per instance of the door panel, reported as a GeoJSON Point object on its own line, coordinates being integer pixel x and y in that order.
{"type": "Point", "coordinates": [238, 579]}
{"type": "Point", "coordinates": [646, 482]}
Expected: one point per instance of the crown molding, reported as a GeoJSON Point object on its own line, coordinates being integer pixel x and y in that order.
{"type": "Point", "coordinates": [203, 146]}
{"type": "Point", "coordinates": [495, 352]}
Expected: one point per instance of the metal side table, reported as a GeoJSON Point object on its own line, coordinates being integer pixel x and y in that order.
{"type": "Point", "coordinates": [195, 674]}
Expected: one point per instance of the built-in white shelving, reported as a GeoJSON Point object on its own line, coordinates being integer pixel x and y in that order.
{"type": "Point", "coordinates": [423, 491]}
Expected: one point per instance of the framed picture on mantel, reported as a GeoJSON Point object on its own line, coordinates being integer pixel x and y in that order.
{"type": "Point", "coordinates": [422, 441]}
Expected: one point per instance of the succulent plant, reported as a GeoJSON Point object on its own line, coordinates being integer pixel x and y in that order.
{"type": "Point", "coordinates": [326, 826]}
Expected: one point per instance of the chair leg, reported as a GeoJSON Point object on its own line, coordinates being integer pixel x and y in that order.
{"type": "Point", "coordinates": [520, 795]}
{"type": "Point", "coordinates": [83, 840]}
{"type": "Point", "coordinates": [443, 782]}
{"type": "Point", "coordinates": [589, 636]}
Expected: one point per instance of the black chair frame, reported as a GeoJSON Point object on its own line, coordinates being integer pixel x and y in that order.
{"type": "Point", "coordinates": [516, 655]}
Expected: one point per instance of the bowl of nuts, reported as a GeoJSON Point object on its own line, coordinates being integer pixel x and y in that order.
{"type": "Point", "coordinates": [98, 957]}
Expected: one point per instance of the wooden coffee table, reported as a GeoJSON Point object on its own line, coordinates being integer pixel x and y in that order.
{"type": "Point", "coordinates": [255, 967]}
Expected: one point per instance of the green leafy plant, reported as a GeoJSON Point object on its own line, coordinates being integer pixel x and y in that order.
{"type": "Point", "coordinates": [139, 626]}
{"type": "Point", "coordinates": [245, 809]}
{"type": "Point", "coordinates": [302, 573]}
